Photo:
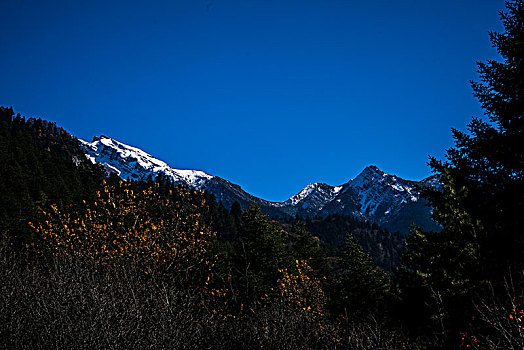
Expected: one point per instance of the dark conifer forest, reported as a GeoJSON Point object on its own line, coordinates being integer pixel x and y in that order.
{"type": "Point", "coordinates": [88, 260]}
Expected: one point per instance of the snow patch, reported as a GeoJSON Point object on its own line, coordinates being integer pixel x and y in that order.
{"type": "Point", "coordinates": [133, 163]}
{"type": "Point", "coordinates": [306, 191]}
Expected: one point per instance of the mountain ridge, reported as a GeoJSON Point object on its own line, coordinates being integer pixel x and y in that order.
{"type": "Point", "coordinates": [372, 195]}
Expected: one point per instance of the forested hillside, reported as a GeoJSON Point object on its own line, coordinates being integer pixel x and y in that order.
{"type": "Point", "coordinates": [40, 164]}
{"type": "Point", "coordinates": [68, 221]}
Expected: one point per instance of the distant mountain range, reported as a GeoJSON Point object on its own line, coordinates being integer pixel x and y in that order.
{"type": "Point", "coordinates": [373, 195]}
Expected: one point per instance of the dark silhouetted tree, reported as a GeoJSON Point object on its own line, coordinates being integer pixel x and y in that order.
{"type": "Point", "coordinates": [481, 201]}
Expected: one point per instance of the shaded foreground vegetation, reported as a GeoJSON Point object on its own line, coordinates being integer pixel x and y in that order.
{"type": "Point", "coordinates": [71, 303]}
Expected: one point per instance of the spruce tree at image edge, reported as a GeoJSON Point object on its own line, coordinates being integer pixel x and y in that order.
{"type": "Point", "coordinates": [481, 203]}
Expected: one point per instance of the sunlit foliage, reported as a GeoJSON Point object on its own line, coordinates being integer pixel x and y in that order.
{"type": "Point", "coordinates": [301, 290]}
{"type": "Point", "coordinates": [128, 223]}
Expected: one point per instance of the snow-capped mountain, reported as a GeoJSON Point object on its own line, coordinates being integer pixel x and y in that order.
{"type": "Point", "coordinates": [378, 192]}
{"type": "Point", "coordinates": [132, 163]}
{"type": "Point", "coordinates": [311, 200]}
{"type": "Point", "coordinates": [373, 195]}
{"type": "Point", "coordinates": [385, 199]}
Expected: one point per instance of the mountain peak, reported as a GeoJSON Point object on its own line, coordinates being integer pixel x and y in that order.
{"type": "Point", "coordinates": [372, 195]}
{"type": "Point", "coordinates": [372, 169]}
{"type": "Point", "coordinates": [306, 191]}
{"type": "Point", "coordinates": [133, 163]}
{"type": "Point", "coordinates": [98, 138]}
{"type": "Point", "coordinates": [313, 197]}
{"type": "Point", "coordinates": [370, 174]}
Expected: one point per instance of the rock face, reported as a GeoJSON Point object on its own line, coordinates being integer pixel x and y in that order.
{"type": "Point", "coordinates": [373, 195]}
{"type": "Point", "coordinates": [134, 164]}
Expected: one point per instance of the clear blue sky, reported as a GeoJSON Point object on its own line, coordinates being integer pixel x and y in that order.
{"type": "Point", "coordinates": [270, 94]}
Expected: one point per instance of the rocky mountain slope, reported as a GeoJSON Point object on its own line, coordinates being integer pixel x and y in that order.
{"type": "Point", "coordinates": [373, 195]}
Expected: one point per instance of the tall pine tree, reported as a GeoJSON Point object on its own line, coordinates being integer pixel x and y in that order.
{"type": "Point", "coordinates": [486, 166]}
{"type": "Point", "coordinates": [481, 202]}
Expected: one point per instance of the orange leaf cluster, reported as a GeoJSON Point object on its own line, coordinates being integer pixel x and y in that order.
{"type": "Point", "coordinates": [302, 290]}
{"type": "Point", "coordinates": [161, 235]}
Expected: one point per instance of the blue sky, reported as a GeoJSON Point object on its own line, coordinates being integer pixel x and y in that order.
{"type": "Point", "coordinates": [270, 94]}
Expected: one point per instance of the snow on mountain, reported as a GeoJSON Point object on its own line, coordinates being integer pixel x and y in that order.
{"type": "Point", "coordinates": [302, 194]}
{"type": "Point", "coordinates": [377, 190]}
{"type": "Point", "coordinates": [372, 195]}
{"type": "Point", "coordinates": [309, 201]}
{"type": "Point", "coordinates": [372, 189]}
{"type": "Point", "coordinates": [320, 192]}
{"type": "Point", "coordinates": [432, 182]}
{"type": "Point", "coordinates": [132, 163]}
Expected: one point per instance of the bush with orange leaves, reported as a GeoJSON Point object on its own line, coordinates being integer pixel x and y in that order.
{"type": "Point", "coordinates": [501, 316]}
{"type": "Point", "coordinates": [302, 291]}
{"type": "Point", "coordinates": [161, 233]}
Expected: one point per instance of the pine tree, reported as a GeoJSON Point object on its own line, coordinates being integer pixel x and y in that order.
{"type": "Point", "coordinates": [486, 166]}
{"type": "Point", "coordinates": [258, 256]}
{"type": "Point", "coordinates": [357, 287]}
{"type": "Point", "coordinates": [481, 201]}
{"type": "Point", "coordinates": [307, 247]}
{"type": "Point", "coordinates": [236, 213]}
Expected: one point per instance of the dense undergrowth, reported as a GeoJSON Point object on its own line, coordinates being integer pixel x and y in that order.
{"type": "Point", "coordinates": [69, 302]}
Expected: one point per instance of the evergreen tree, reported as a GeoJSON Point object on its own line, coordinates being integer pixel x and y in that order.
{"type": "Point", "coordinates": [481, 201]}
{"type": "Point", "coordinates": [357, 287]}
{"type": "Point", "coordinates": [258, 256]}
{"type": "Point", "coordinates": [485, 169]}
{"type": "Point", "coordinates": [40, 164]}
{"type": "Point", "coordinates": [236, 213]}
{"type": "Point", "coordinates": [225, 224]}
{"type": "Point", "coordinates": [307, 247]}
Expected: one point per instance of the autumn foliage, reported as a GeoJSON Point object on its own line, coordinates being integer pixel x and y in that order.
{"type": "Point", "coordinates": [302, 290]}
{"type": "Point", "coordinates": [128, 223]}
